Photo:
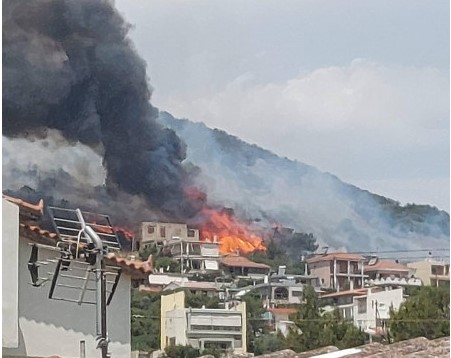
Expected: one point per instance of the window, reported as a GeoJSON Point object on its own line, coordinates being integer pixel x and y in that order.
{"type": "Point", "coordinates": [281, 293]}
{"type": "Point", "coordinates": [361, 306]}
{"type": "Point", "coordinates": [151, 229]}
{"type": "Point", "coordinates": [191, 233]}
{"type": "Point", "coordinates": [163, 231]}
{"type": "Point", "coordinates": [296, 293]}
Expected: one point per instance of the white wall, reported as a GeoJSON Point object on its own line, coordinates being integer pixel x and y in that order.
{"type": "Point", "coordinates": [384, 299]}
{"type": "Point", "coordinates": [176, 325]}
{"type": "Point", "coordinates": [10, 274]}
{"type": "Point", "coordinates": [48, 327]}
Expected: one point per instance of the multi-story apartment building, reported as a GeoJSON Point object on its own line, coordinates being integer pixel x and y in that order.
{"type": "Point", "coordinates": [201, 327]}
{"type": "Point", "coordinates": [184, 245]}
{"type": "Point", "coordinates": [338, 270]}
{"type": "Point", "coordinates": [431, 272]}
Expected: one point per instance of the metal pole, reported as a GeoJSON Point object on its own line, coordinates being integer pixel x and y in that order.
{"type": "Point", "coordinates": [101, 327]}
{"type": "Point", "coordinates": [103, 311]}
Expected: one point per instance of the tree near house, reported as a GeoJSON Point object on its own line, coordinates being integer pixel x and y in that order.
{"type": "Point", "coordinates": [320, 330]}
{"type": "Point", "coordinates": [424, 314]}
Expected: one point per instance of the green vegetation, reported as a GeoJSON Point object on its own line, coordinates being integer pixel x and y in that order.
{"type": "Point", "coordinates": [145, 325]}
{"type": "Point", "coordinates": [255, 322]}
{"type": "Point", "coordinates": [320, 330]}
{"type": "Point", "coordinates": [424, 314]}
{"type": "Point", "coordinates": [198, 301]}
{"type": "Point", "coordinates": [180, 351]}
{"type": "Point", "coordinates": [285, 248]}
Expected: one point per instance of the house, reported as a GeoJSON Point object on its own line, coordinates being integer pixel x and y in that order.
{"type": "Point", "coordinates": [367, 308]}
{"type": "Point", "coordinates": [281, 292]}
{"type": "Point", "coordinates": [372, 310]}
{"type": "Point", "coordinates": [151, 233]}
{"type": "Point", "coordinates": [432, 272]}
{"type": "Point", "coordinates": [386, 273]}
{"type": "Point", "coordinates": [33, 324]}
{"type": "Point", "coordinates": [343, 301]}
{"type": "Point", "coordinates": [202, 328]}
{"type": "Point", "coordinates": [194, 256]}
{"type": "Point", "coordinates": [338, 270]}
{"type": "Point", "coordinates": [242, 267]}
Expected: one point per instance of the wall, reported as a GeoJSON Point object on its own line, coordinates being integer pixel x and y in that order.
{"type": "Point", "coordinates": [384, 299]}
{"type": "Point", "coordinates": [322, 271]}
{"type": "Point", "coordinates": [423, 270]}
{"type": "Point", "coordinates": [171, 229]}
{"type": "Point", "coordinates": [175, 326]}
{"type": "Point", "coordinates": [49, 327]}
{"type": "Point", "coordinates": [10, 274]}
{"type": "Point", "coordinates": [169, 303]}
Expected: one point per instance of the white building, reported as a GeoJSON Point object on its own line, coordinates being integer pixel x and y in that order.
{"type": "Point", "coordinates": [372, 310]}
{"type": "Point", "coordinates": [34, 325]}
{"type": "Point", "coordinates": [367, 308]}
{"type": "Point", "coordinates": [201, 327]}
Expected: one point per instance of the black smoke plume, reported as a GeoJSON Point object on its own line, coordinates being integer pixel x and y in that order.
{"type": "Point", "coordinates": [69, 65]}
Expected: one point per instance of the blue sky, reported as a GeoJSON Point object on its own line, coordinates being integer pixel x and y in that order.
{"type": "Point", "coordinates": [357, 88]}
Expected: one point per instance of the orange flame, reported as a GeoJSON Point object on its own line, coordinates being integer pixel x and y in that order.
{"type": "Point", "coordinates": [232, 235]}
{"type": "Point", "coordinates": [128, 233]}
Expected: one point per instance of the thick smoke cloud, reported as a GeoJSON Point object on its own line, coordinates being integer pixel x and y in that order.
{"type": "Point", "coordinates": [69, 65]}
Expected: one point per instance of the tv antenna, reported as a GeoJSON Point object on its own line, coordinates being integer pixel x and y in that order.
{"type": "Point", "coordinates": [81, 275]}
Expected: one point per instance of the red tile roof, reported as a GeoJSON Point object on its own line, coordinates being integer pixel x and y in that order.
{"type": "Point", "coordinates": [35, 233]}
{"type": "Point", "coordinates": [335, 256]}
{"type": "Point", "coordinates": [37, 230]}
{"type": "Point", "coordinates": [241, 261]}
{"type": "Point", "coordinates": [358, 292]}
{"type": "Point", "coordinates": [37, 208]}
{"type": "Point", "coordinates": [385, 265]}
{"type": "Point", "coordinates": [282, 310]}
{"type": "Point", "coordinates": [144, 267]}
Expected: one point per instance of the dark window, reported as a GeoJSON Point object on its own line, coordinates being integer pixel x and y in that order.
{"type": "Point", "coordinates": [191, 233]}
{"type": "Point", "coordinates": [163, 231]}
{"type": "Point", "coordinates": [150, 229]}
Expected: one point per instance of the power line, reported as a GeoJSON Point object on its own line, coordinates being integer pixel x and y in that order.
{"type": "Point", "coordinates": [375, 252]}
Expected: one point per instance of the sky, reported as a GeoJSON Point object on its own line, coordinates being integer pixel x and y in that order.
{"type": "Point", "coordinates": [357, 88]}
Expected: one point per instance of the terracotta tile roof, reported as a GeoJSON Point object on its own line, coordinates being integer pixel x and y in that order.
{"type": "Point", "coordinates": [144, 267]}
{"type": "Point", "coordinates": [36, 208]}
{"type": "Point", "coordinates": [35, 233]}
{"type": "Point", "coordinates": [416, 347]}
{"type": "Point", "coordinates": [358, 292]}
{"type": "Point", "coordinates": [241, 261]}
{"type": "Point", "coordinates": [282, 310]}
{"type": "Point", "coordinates": [335, 256]}
{"type": "Point", "coordinates": [32, 229]}
{"type": "Point", "coordinates": [385, 265]}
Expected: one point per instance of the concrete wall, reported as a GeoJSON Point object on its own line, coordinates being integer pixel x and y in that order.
{"type": "Point", "coordinates": [48, 327]}
{"type": "Point", "coordinates": [175, 327]}
{"type": "Point", "coordinates": [171, 230]}
{"type": "Point", "coordinates": [322, 271]}
{"type": "Point", "coordinates": [168, 303]}
{"type": "Point", "coordinates": [385, 299]}
{"type": "Point", "coordinates": [176, 321]}
{"type": "Point", "coordinates": [10, 275]}
{"type": "Point", "coordinates": [424, 272]}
